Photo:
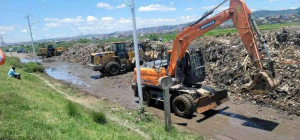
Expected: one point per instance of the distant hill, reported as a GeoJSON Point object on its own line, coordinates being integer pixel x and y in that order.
{"type": "Point", "coordinates": [268, 13]}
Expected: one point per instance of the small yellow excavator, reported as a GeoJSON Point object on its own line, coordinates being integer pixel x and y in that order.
{"type": "Point", "coordinates": [187, 68]}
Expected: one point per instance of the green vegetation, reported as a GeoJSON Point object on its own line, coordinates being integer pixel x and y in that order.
{"type": "Point", "coordinates": [15, 61]}
{"type": "Point", "coordinates": [99, 117]}
{"type": "Point", "coordinates": [221, 32]}
{"type": "Point", "coordinates": [33, 67]}
{"type": "Point", "coordinates": [38, 107]}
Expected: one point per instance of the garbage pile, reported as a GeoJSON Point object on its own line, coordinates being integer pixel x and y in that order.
{"type": "Point", "coordinates": [224, 57]}
{"type": "Point", "coordinates": [80, 53]}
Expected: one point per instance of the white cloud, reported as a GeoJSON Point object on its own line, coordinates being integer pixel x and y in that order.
{"type": "Point", "coordinates": [71, 20]}
{"type": "Point", "coordinates": [188, 9]}
{"type": "Point", "coordinates": [52, 24]}
{"type": "Point", "coordinates": [156, 7]}
{"type": "Point", "coordinates": [171, 3]}
{"type": "Point", "coordinates": [91, 19]}
{"type": "Point", "coordinates": [293, 7]}
{"type": "Point", "coordinates": [272, 0]}
{"type": "Point", "coordinates": [5, 30]}
{"type": "Point", "coordinates": [24, 31]}
{"type": "Point", "coordinates": [45, 29]}
{"type": "Point", "coordinates": [107, 18]}
{"type": "Point", "coordinates": [104, 5]}
{"type": "Point", "coordinates": [123, 20]}
{"type": "Point", "coordinates": [121, 6]}
{"type": "Point", "coordinates": [50, 19]}
{"type": "Point", "coordinates": [55, 22]}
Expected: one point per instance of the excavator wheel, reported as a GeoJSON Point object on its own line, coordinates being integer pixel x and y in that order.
{"type": "Point", "coordinates": [183, 106]}
{"type": "Point", "coordinates": [112, 68]}
{"type": "Point", "coordinates": [147, 98]}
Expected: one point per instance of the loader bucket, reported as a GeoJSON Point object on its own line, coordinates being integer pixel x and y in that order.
{"type": "Point", "coordinates": [263, 81]}
{"type": "Point", "coordinates": [208, 102]}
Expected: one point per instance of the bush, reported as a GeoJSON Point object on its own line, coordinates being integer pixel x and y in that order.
{"type": "Point", "coordinates": [73, 109]}
{"type": "Point", "coordinates": [99, 117]}
{"type": "Point", "coordinates": [33, 67]}
{"type": "Point", "coordinates": [154, 37]}
{"type": "Point", "coordinates": [14, 61]}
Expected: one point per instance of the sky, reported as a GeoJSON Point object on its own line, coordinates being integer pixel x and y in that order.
{"type": "Point", "coordinates": [65, 18]}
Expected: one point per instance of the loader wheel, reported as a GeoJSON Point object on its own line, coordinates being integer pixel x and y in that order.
{"type": "Point", "coordinates": [112, 68]}
{"type": "Point", "coordinates": [183, 106]}
{"type": "Point", "coordinates": [44, 55]}
{"type": "Point", "coordinates": [147, 98]}
{"type": "Point", "coordinates": [102, 71]}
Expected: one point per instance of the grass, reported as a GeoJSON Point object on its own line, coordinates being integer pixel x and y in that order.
{"type": "Point", "coordinates": [38, 107]}
{"type": "Point", "coordinates": [99, 117]}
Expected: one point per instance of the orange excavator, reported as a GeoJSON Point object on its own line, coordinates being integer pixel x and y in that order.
{"type": "Point", "coordinates": [187, 68]}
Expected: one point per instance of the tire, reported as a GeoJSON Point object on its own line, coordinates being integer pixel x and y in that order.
{"type": "Point", "coordinates": [44, 55]}
{"type": "Point", "coordinates": [191, 99]}
{"type": "Point", "coordinates": [112, 68]}
{"type": "Point", "coordinates": [183, 106]}
{"type": "Point", "coordinates": [147, 98]}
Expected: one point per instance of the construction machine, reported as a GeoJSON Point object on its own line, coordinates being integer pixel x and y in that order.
{"type": "Point", "coordinates": [187, 68]}
{"type": "Point", "coordinates": [117, 58]}
{"type": "Point", "coordinates": [50, 51]}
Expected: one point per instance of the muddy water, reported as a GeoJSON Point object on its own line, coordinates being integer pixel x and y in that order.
{"type": "Point", "coordinates": [232, 120]}
{"type": "Point", "coordinates": [62, 74]}
{"type": "Point", "coordinates": [115, 89]}
{"type": "Point", "coordinates": [23, 60]}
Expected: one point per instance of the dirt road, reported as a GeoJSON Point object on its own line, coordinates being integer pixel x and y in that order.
{"type": "Point", "coordinates": [232, 120]}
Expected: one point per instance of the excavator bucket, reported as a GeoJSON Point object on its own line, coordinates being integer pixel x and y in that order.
{"type": "Point", "coordinates": [210, 101]}
{"type": "Point", "coordinates": [263, 81]}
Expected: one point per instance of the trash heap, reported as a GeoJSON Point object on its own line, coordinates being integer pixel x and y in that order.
{"type": "Point", "coordinates": [80, 53]}
{"type": "Point", "coordinates": [224, 57]}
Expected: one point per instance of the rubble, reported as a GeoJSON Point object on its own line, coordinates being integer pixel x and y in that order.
{"type": "Point", "coordinates": [224, 58]}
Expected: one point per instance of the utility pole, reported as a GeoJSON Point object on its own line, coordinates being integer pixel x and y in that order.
{"type": "Point", "coordinates": [137, 58]}
{"type": "Point", "coordinates": [2, 43]}
{"type": "Point", "coordinates": [33, 48]}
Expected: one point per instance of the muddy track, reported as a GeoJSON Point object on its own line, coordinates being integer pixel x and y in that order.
{"type": "Point", "coordinates": [232, 120]}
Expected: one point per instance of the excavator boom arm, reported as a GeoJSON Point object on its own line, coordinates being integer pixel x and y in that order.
{"type": "Point", "coordinates": [238, 12]}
